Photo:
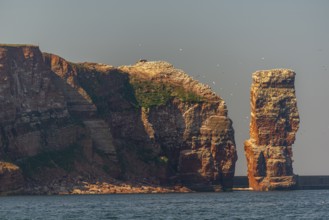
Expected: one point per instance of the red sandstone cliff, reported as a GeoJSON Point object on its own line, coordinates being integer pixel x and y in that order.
{"type": "Point", "coordinates": [63, 123]}
{"type": "Point", "coordinates": [273, 127]}
{"type": "Point", "coordinates": [39, 133]}
{"type": "Point", "coordinates": [166, 127]}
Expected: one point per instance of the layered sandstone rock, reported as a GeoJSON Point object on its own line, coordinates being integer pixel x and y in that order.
{"type": "Point", "coordinates": [33, 110]}
{"type": "Point", "coordinates": [148, 122]}
{"type": "Point", "coordinates": [80, 104]}
{"type": "Point", "coordinates": [158, 117]}
{"type": "Point", "coordinates": [274, 123]}
{"type": "Point", "coordinates": [38, 129]}
{"type": "Point", "coordinates": [191, 127]}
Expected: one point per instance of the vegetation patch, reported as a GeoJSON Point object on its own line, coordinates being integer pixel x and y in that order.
{"type": "Point", "coordinates": [137, 91]}
{"type": "Point", "coordinates": [149, 93]}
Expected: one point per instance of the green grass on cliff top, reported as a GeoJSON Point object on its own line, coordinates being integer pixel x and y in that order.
{"type": "Point", "coordinates": [150, 93]}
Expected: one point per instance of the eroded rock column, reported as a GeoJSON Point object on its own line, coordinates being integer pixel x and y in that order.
{"type": "Point", "coordinates": [273, 126]}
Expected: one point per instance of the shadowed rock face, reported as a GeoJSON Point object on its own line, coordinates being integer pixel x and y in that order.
{"type": "Point", "coordinates": [37, 127]}
{"type": "Point", "coordinates": [33, 110]}
{"type": "Point", "coordinates": [11, 179]}
{"type": "Point", "coordinates": [273, 127]}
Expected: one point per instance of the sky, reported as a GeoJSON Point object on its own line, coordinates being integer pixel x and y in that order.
{"type": "Point", "coordinates": [219, 43]}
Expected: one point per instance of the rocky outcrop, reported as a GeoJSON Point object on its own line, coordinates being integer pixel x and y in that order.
{"type": "Point", "coordinates": [148, 122]}
{"type": "Point", "coordinates": [190, 125]}
{"type": "Point", "coordinates": [11, 179]}
{"type": "Point", "coordinates": [273, 127]}
{"type": "Point", "coordinates": [101, 136]}
{"type": "Point", "coordinates": [39, 129]}
{"type": "Point", "coordinates": [158, 117]}
{"type": "Point", "coordinates": [79, 103]}
{"type": "Point", "coordinates": [33, 111]}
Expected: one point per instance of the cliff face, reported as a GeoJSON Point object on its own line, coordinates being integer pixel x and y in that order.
{"type": "Point", "coordinates": [274, 123]}
{"type": "Point", "coordinates": [39, 135]}
{"type": "Point", "coordinates": [30, 102]}
{"type": "Point", "coordinates": [165, 126]}
{"type": "Point", "coordinates": [33, 113]}
{"type": "Point", "coordinates": [63, 123]}
{"type": "Point", "coordinates": [189, 126]}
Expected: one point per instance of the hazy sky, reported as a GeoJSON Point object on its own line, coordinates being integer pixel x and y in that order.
{"type": "Point", "coordinates": [222, 41]}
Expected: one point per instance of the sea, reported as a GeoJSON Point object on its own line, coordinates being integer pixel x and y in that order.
{"type": "Point", "coordinates": [299, 204]}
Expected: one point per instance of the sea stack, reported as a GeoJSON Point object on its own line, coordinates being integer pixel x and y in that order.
{"type": "Point", "coordinates": [273, 127]}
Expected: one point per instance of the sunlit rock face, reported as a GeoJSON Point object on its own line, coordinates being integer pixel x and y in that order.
{"type": "Point", "coordinates": [190, 125]}
{"type": "Point", "coordinates": [273, 127]}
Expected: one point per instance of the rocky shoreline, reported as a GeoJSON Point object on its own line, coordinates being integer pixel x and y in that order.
{"type": "Point", "coordinates": [100, 187]}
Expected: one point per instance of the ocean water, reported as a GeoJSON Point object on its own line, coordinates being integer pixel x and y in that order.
{"type": "Point", "coordinates": [303, 204]}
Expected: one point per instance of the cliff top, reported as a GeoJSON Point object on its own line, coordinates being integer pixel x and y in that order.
{"type": "Point", "coordinates": [164, 72]}
{"type": "Point", "coordinates": [149, 69]}
{"type": "Point", "coordinates": [100, 67]}
{"type": "Point", "coordinates": [18, 45]}
{"type": "Point", "coordinates": [90, 66]}
{"type": "Point", "coordinates": [154, 82]}
{"type": "Point", "coordinates": [274, 78]}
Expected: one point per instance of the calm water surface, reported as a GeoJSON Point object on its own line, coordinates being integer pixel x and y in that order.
{"type": "Point", "coordinates": [301, 204]}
